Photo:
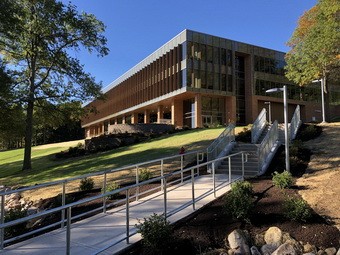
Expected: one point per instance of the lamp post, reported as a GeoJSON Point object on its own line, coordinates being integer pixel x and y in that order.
{"type": "Point", "coordinates": [285, 114]}
{"type": "Point", "coordinates": [322, 81]}
{"type": "Point", "coordinates": [269, 112]}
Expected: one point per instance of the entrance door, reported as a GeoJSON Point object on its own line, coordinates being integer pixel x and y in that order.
{"type": "Point", "coordinates": [207, 120]}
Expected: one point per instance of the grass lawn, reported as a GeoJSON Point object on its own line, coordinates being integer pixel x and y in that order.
{"type": "Point", "coordinates": [46, 168]}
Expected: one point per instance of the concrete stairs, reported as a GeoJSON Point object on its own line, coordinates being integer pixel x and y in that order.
{"type": "Point", "coordinates": [250, 167]}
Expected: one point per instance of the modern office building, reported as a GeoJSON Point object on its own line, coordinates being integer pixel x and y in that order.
{"type": "Point", "coordinates": [197, 79]}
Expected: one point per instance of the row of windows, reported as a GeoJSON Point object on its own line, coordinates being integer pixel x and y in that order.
{"type": "Point", "coordinates": [209, 54]}
{"type": "Point", "coordinates": [269, 65]}
{"type": "Point", "coordinates": [208, 80]}
{"type": "Point", "coordinates": [310, 93]}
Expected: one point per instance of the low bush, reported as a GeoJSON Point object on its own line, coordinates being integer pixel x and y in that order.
{"type": "Point", "coordinates": [144, 174]}
{"type": "Point", "coordinates": [14, 214]}
{"type": "Point", "coordinates": [113, 186]}
{"type": "Point", "coordinates": [309, 132]}
{"type": "Point", "coordinates": [156, 232]}
{"type": "Point", "coordinates": [297, 209]}
{"type": "Point", "coordinates": [282, 180]}
{"type": "Point", "coordinates": [244, 136]}
{"type": "Point", "coordinates": [86, 184]}
{"type": "Point", "coordinates": [239, 202]}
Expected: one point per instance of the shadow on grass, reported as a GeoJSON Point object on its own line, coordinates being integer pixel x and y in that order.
{"type": "Point", "coordinates": [46, 169]}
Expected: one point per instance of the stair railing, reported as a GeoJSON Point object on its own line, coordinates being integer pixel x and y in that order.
{"type": "Point", "coordinates": [258, 125]}
{"type": "Point", "coordinates": [295, 123]}
{"type": "Point", "coordinates": [267, 144]}
{"type": "Point", "coordinates": [221, 142]}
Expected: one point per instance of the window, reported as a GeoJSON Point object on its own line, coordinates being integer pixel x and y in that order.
{"type": "Point", "coordinates": [209, 54]}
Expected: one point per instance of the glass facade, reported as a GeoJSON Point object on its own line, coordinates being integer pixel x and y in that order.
{"type": "Point", "coordinates": [269, 65]}
{"type": "Point", "coordinates": [213, 110]}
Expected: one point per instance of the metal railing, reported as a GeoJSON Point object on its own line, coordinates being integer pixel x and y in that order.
{"type": "Point", "coordinates": [267, 144]}
{"type": "Point", "coordinates": [258, 126]}
{"type": "Point", "coordinates": [221, 142]}
{"type": "Point", "coordinates": [295, 123]}
{"type": "Point", "coordinates": [125, 174]}
{"type": "Point", "coordinates": [164, 184]}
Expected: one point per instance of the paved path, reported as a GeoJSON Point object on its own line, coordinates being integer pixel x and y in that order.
{"type": "Point", "coordinates": [93, 235]}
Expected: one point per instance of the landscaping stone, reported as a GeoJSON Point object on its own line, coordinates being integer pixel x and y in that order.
{"type": "Point", "coordinates": [330, 251]}
{"type": "Point", "coordinates": [254, 251]}
{"type": "Point", "coordinates": [309, 248]}
{"type": "Point", "coordinates": [237, 239]}
{"type": "Point", "coordinates": [273, 236]}
{"type": "Point", "coordinates": [268, 249]}
{"type": "Point", "coordinates": [285, 249]}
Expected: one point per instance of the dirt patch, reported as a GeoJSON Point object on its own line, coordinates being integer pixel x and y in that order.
{"type": "Point", "coordinates": [321, 181]}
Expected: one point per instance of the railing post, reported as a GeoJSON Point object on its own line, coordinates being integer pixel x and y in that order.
{"type": "Point", "coordinates": [242, 165]}
{"type": "Point", "coordinates": [165, 199]}
{"type": "Point", "coordinates": [229, 164]}
{"type": "Point", "coordinates": [68, 231]}
{"type": "Point", "coordinates": [162, 174]}
{"type": "Point", "coordinates": [63, 201]}
{"type": "Point", "coordinates": [213, 175]}
{"type": "Point", "coordinates": [198, 162]}
{"type": "Point", "coordinates": [127, 217]}
{"type": "Point", "coordinates": [193, 188]}
{"type": "Point", "coordinates": [104, 191]}
{"type": "Point", "coordinates": [2, 221]}
{"type": "Point", "coordinates": [181, 168]}
{"type": "Point", "coordinates": [137, 182]}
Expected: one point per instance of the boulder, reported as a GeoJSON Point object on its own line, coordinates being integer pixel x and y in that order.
{"type": "Point", "coordinates": [330, 251]}
{"type": "Point", "coordinates": [307, 248]}
{"type": "Point", "coordinates": [285, 249]}
{"type": "Point", "coordinates": [254, 251]}
{"type": "Point", "coordinates": [238, 242]}
{"type": "Point", "coordinates": [273, 236]}
{"type": "Point", "coordinates": [268, 249]}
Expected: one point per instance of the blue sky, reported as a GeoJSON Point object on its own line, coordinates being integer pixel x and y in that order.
{"type": "Point", "coordinates": [135, 29]}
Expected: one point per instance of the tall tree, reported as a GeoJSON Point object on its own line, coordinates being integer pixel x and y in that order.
{"type": "Point", "coordinates": [315, 51]}
{"type": "Point", "coordinates": [38, 46]}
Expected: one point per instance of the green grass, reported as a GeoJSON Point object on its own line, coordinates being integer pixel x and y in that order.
{"type": "Point", "coordinates": [46, 168]}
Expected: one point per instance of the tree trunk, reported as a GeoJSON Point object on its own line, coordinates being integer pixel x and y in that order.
{"type": "Point", "coordinates": [28, 137]}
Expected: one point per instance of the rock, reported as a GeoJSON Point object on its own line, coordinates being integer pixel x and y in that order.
{"type": "Point", "coordinates": [268, 249]}
{"type": "Point", "coordinates": [309, 253]}
{"type": "Point", "coordinates": [338, 253]}
{"type": "Point", "coordinates": [298, 247]}
{"type": "Point", "coordinates": [238, 241]}
{"type": "Point", "coordinates": [330, 251]}
{"type": "Point", "coordinates": [216, 252]}
{"type": "Point", "coordinates": [254, 251]}
{"type": "Point", "coordinates": [307, 248]}
{"type": "Point", "coordinates": [321, 252]}
{"type": "Point", "coordinates": [259, 240]}
{"type": "Point", "coordinates": [273, 236]}
{"type": "Point", "coordinates": [285, 249]}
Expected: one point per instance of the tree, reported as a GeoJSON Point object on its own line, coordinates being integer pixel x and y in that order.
{"type": "Point", "coordinates": [38, 46]}
{"type": "Point", "coordinates": [315, 44]}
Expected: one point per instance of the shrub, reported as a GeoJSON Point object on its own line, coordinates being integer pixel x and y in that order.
{"type": "Point", "coordinates": [113, 186]}
{"type": "Point", "coordinates": [244, 136]}
{"type": "Point", "coordinates": [309, 132]}
{"type": "Point", "coordinates": [144, 174]}
{"type": "Point", "coordinates": [14, 214]}
{"type": "Point", "coordinates": [156, 232]}
{"type": "Point", "coordinates": [86, 184]}
{"type": "Point", "coordinates": [295, 148]}
{"type": "Point", "coordinates": [282, 180]}
{"type": "Point", "coordinates": [239, 201]}
{"type": "Point", "coordinates": [297, 209]}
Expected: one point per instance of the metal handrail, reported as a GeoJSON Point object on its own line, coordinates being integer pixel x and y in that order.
{"type": "Point", "coordinates": [267, 144]}
{"type": "Point", "coordinates": [221, 142]}
{"type": "Point", "coordinates": [258, 125]}
{"type": "Point", "coordinates": [162, 179]}
{"type": "Point", "coordinates": [295, 123]}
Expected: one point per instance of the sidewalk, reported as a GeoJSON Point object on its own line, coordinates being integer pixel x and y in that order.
{"type": "Point", "coordinates": [93, 235]}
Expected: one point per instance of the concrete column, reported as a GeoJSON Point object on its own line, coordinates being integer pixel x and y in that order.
{"type": "Point", "coordinates": [146, 116]}
{"type": "Point", "coordinates": [159, 113]}
{"type": "Point", "coordinates": [116, 121]}
{"type": "Point", "coordinates": [177, 113]}
{"type": "Point", "coordinates": [123, 120]}
{"type": "Point", "coordinates": [134, 118]}
{"type": "Point", "coordinates": [198, 111]}
{"type": "Point", "coordinates": [230, 109]}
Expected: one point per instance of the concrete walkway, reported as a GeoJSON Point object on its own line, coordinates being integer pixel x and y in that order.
{"type": "Point", "coordinates": [97, 234]}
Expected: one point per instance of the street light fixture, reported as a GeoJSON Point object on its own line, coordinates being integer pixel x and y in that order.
{"type": "Point", "coordinates": [285, 114]}
{"type": "Point", "coordinates": [322, 98]}
{"type": "Point", "coordinates": [269, 112]}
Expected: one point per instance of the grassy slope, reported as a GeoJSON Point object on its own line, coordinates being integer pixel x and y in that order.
{"type": "Point", "coordinates": [45, 168]}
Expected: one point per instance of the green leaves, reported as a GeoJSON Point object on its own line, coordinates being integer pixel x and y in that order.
{"type": "Point", "coordinates": [315, 44]}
